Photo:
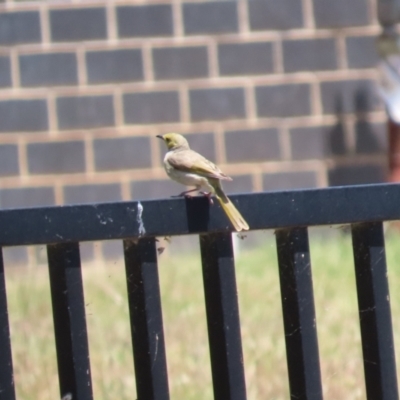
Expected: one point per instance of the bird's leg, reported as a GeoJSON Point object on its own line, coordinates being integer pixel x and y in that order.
{"type": "Point", "coordinates": [186, 193]}
{"type": "Point", "coordinates": [208, 195]}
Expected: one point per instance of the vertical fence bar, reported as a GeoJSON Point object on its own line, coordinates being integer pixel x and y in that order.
{"type": "Point", "coordinates": [69, 320]}
{"type": "Point", "coordinates": [7, 391]}
{"type": "Point", "coordinates": [223, 316]}
{"type": "Point", "coordinates": [146, 319]}
{"type": "Point", "coordinates": [374, 311]}
{"type": "Point", "coordinates": [299, 314]}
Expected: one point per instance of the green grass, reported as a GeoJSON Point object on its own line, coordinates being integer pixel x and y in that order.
{"type": "Point", "coordinates": [185, 326]}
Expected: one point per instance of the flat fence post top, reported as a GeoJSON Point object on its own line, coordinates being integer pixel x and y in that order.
{"type": "Point", "coordinates": [169, 217]}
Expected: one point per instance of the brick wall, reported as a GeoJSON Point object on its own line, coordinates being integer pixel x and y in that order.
{"type": "Point", "coordinates": [279, 93]}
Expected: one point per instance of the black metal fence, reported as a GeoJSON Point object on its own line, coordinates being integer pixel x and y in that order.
{"type": "Point", "coordinates": [138, 224]}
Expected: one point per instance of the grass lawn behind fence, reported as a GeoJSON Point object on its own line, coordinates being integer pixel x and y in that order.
{"type": "Point", "coordinates": [185, 326]}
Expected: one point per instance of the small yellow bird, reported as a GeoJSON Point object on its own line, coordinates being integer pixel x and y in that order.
{"type": "Point", "coordinates": [191, 169]}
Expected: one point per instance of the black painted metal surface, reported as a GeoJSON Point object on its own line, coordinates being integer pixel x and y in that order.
{"type": "Point", "coordinates": [222, 316]}
{"type": "Point", "coordinates": [62, 228]}
{"type": "Point", "coordinates": [299, 314]}
{"type": "Point", "coordinates": [146, 319]}
{"type": "Point", "coordinates": [339, 205]}
{"type": "Point", "coordinates": [7, 391]}
{"type": "Point", "coordinates": [374, 311]}
{"type": "Point", "coordinates": [69, 321]}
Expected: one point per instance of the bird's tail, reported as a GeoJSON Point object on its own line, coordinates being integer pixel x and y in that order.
{"type": "Point", "coordinates": [238, 222]}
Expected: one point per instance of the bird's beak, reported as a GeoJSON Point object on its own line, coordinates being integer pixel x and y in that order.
{"type": "Point", "coordinates": [160, 137]}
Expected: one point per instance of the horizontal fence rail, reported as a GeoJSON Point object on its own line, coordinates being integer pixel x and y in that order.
{"type": "Point", "coordinates": [340, 205]}
{"type": "Point", "coordinates": [364, 208]}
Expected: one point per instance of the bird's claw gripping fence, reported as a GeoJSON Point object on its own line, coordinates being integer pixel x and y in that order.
{"type": "Point", "coordinates": [289, 213]}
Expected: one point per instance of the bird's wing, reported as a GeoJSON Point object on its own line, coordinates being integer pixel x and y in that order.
{"type": "Point", "coordinates": [192, 162]}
